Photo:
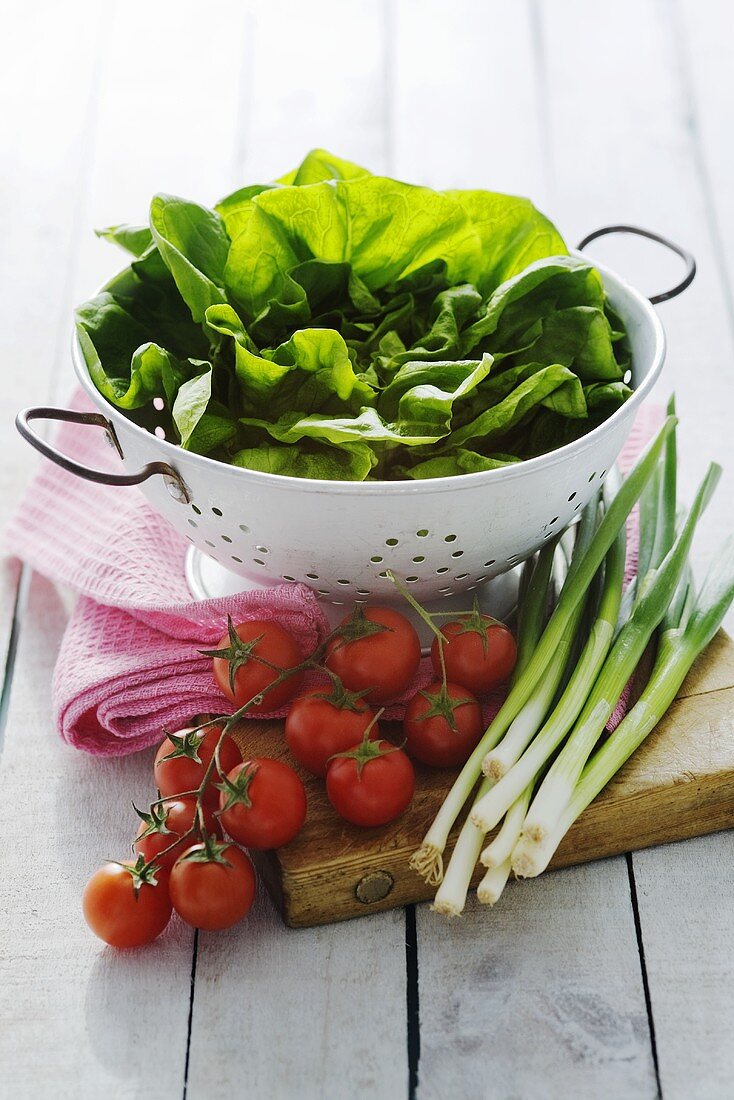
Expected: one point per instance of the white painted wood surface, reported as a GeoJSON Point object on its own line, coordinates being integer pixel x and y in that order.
{"type": "Point", "coordinates": [602, 115]}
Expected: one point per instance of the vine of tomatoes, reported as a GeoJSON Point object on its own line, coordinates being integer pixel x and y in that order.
{"type": "Point", "coordinates": [212, 801]}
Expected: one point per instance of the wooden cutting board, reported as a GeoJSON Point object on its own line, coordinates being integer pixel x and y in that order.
{"type": "Point", "coordinates": [679, 784]}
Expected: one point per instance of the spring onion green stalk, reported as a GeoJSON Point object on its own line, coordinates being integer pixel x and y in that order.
{"type": "Point", "coordinates": [489, 890]}
{"type": "Point", "coordinates": [527, 723]}
{"type": "Point", "coordinates": [499, 850]}
{"type": "Point", "coordinates": [498, 800]}
{"type": "Point", "coordinates": [653, 602]}
{"type": "Point", "coordinates": [533, 605]}
{"type": "Point", "coordinates": [681, 642]}
{"type": "Point", "coordinates": [428, 859]}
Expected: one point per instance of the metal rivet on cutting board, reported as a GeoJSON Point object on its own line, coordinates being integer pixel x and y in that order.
{"type": "Point", "coordinates": [374, 887]}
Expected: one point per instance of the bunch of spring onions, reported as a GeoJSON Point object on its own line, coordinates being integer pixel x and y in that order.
{"type": "Point", "coordinates": [544, 758]}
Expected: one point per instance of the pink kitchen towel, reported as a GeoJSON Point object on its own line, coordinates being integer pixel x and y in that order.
{"type": "Point", "coordinates": [129, 663]}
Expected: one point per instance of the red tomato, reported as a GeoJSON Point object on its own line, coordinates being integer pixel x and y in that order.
{"type": "Point", "coordinates": [120, 914]}
{"type": "Point", "coordinates": [322, 723]}
{"type": "Point", "coordinates": [167, 821]}
{"type": "Point", "coordinates": [212, 888]}
{"type": "Point", "coordinates": [244, 649]}
{"type": "Point", "coordinates": [479, 652]}
{"type": "Point", "coordinates": [442, 728]}
{"type": "Point", "coordinates": [371, 785]}
{"type": "Point", "coordinates": [182, 759]}
{"type": "Point", "coordinates": [264, 803]}
{"type": "Point", "coordinates": [380, 662]}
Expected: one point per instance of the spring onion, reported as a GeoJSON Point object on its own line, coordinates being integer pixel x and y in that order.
{"type": "Point", "coordinates": [689, 627]}
{"type": "Point", "coordinates": [428, 860]}
{"type": "Point", "coordinates": [498, 800]}
{"type": "Point", "coordinates": [656, 594]}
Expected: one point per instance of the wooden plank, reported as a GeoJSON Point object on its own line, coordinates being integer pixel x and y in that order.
{"type": "Point", "coordinates": [99, 150]}
{"type": "Point", "coordinates": [315, 77]}
{"type": "Point", "coordinates": [321, 1013]}
{"type": "Point", "coordinates": [94, 1012]}
{"type": "Point", "coordinates": [521, 1001]}
{"type": "Point", "coordinates": [487, 124]}
{"type": "Point", "coordinates": [693, 998]}
{"type": "Point", "coordinates": [638, 161]}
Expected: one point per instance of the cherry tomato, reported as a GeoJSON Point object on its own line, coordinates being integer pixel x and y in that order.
{"type": "Point", "coordinates": [124, 909]}
{"type": "Point", "coordinates": [442, 727]}
{"type": "Point", "coordinates": [240, 650]}
{"type": "Point", "coordinates": [212, 887]}
{"type": "Point", "coordinates": [322, 723]}
{"type": "Point", "coordinates": [166, 821]}
{"type": "Point", "coordinates": [479, 652]}
{"type": "Point", "coordinates": [263, 804]}
{"type": "Point", "coordinates": [381, 662]}
{"type": "Point", "coordinates": [183, 757]}
{"type": "Point", "coordinates": [371, 785]}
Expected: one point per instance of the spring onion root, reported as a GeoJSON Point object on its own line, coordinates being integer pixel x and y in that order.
{"type": "Point", "coordinates": [490, 888]}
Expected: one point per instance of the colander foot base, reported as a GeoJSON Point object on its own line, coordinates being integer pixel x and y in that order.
{"type": "Point", "coordinates": [207, 580]}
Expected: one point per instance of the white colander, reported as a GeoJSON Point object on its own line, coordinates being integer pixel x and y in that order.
{"type": "Point", "coordinates": [442, 536]}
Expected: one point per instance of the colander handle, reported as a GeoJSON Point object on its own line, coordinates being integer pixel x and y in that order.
{"type": "Point", "coordinates": [684, 254]}
{"type": "Point", "coordinates": [176, 485]}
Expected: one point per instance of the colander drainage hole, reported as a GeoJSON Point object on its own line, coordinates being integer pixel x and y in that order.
{"type": "Point", "coordinates": [258, 561]}
{"type": "Point", "coordinates": [376, 558]}
{"type": "Point", "coordinates": [446, 591]}
{"type": "Point", "coordinates": [411, 580]}
{"type": "Point", "coordinates": [449, 538]}
{"type": "Point", "coordinates": [391, 542]}
{"type": "Point", "coordinates": [422, 533]}
{"type": "Point", "coordinates": [577, 506]}
{"type": "Point", "coordinates": [235, 558]}
{"type": "Point", "coordinates": [383, 574]}
{"type": "Point", "coordinates": [419, 559]}
{"type": "Point", "coordinates": [217, 511]}
{"type": "Point", "coordinates": [457, 553]}
{"type": "Point", "coordinates": [343, 582]}
{"type": "Point", "coordinates": [602, 475]}
{"type": "Point", "coordinates": [513, 560]}
{"type": "Point", "coordinates": [592, 476]}
{"type": "Point", "coordinates": [287, 578]}
{"type": "Point", "coordinates": [195, 509]}
{"type": "Point", "coordinates": [573, 495]}
{"type": "Point", "coordinates": [208, 543]}
{"type": "Point", "coordinates": [363, 592]}
{"type": "Point", "coordinates": [262, 549]}
{"type": "Point", "coordinates": [312, 576]}
{"type": "Point", "coordinates": [461, 576]}
{"type": "Point", "coordinates": [323, 591]}
{"type": "Point", "coordinates": [443, 569]}
{"type": "Point", "coordinates": [192, 523]}
{"type": "Point", "coordinates": [490, 563]}
{"type": "Point", "coordinates": [554, 520]}
{"type": "Point", "coordinates": [245, 528]}
{"type": "Point", "coordinates": [226, 538]}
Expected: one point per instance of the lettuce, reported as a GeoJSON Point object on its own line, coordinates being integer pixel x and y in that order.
{"type": "Point", "coordinates": [336, 324]}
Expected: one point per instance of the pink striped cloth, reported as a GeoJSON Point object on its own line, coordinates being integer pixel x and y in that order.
{"type": "Point", "coordinates": [129, 663]}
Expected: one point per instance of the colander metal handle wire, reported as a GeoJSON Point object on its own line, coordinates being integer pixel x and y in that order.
{"type": "Point", "coordinates": [176, 485]}
{"type": "Point", "coordinates": [638, 231]}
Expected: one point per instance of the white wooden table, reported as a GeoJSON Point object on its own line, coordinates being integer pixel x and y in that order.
{"type": "Point", "coordinates": [611, 980]}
